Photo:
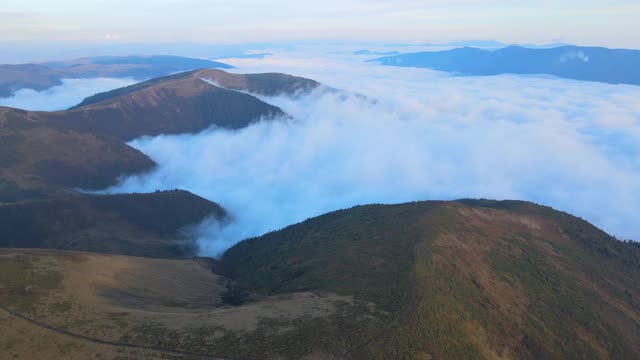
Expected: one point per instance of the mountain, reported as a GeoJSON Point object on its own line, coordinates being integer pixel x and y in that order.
{"type": "Point", "coordinates": [473, 279]}
{"type": "Point", "coordinates": [459, 280]}
{"type": "Point", "coordinates": [176, 104]}
{"type": "Point", "coordinates": [37, 160]}
{"type": "Point", "coordinates": [31, 76]}
{"type": "Point", "coordinates": [132, 224]}
{"type": "Point", "coordinates": [44, 76]}
{"type": "Point", "coordinates": [612, 66]}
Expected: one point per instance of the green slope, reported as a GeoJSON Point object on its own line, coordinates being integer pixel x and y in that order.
{"type": "Point", "coordinates": [466, 280]}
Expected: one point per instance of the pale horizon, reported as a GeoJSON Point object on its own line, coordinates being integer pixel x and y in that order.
{"type": "Point", "coordinates": [594, 23]}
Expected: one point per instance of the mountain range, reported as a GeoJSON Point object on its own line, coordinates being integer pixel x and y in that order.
{"type": "Point", "coordinates": [614, 66]}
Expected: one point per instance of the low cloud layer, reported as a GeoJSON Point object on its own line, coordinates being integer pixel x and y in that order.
{"type": "Point", "coordinates": [571, 145]}
{"type": "Point", "coordinates": [70, 93]}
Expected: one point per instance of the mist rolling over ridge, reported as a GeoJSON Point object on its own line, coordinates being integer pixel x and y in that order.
{"type": "Point", "coordinates": [562, 143]}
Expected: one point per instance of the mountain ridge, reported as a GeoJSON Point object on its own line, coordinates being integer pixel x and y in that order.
{"type": "Point", "coordinates": [614, 66]}
{"type": "Point", "coordinates": [43, 76]}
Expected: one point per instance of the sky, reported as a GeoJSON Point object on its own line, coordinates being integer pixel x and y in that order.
{"type": "Point", "coordinates": [611, 23]}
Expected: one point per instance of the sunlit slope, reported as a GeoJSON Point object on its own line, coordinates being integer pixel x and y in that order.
{"type": "Point", "coordinates": [181, 103]}
{"type": "Point", "coordinates": [153, 308]}
{"type": "Point", "coordinates": [462, 280]}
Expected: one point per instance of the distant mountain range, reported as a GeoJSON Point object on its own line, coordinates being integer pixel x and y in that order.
{"type": "Point", "coordinates": [612, 66]}
{"type": "Point", "coordinates": [46, 75]}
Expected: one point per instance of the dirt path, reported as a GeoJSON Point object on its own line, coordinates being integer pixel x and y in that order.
{"type": "Point", "coordinates": [112, 343]}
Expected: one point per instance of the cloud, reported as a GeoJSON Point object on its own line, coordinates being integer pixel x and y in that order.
{"type": "Point", "coordinates": [70, 93]}
{"type": "Point", "coordinates": [574, 56]}
{"type": "Point", "coordinates": [572, 145]}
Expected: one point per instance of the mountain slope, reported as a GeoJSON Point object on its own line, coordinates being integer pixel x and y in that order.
{"type": "Point", "coordinates": [445, 280]}
{"type": "Point", "coordinates": [44, 153]}
{"type": "Point", "coordinates": [481, 280]}
{"type": "Point", "coordinates": [130, 224]}
{"type": "Point", "coordinates": [181, 103]}
{"type": "Point", "coordinates": [613, 66]}
{"type": "Point", "coordinates": [31, 76]}
{"type": "Point", "coordinates": [39, 161]}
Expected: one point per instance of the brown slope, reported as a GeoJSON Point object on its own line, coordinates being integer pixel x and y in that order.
{"type": "Point", "coordinates": [268, 84]}
{"type": "Point", "coordinates": [481, 280]}
{"type": "Point", "coordinates": [37, 160]}
{"type": "Point", "coordinates": [32, 76]}
{"type": "Point", "coordinates": [444, 280]}
{"type": "Point", "coordinates": [182, 103]}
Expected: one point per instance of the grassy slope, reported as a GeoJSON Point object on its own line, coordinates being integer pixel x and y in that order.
{"type": "Point", "coordinates": [180, 103]}
{"type": "Point", "coordinates": [463, 282]}
{"type": "Point", "coordinates": [32, 76]}
{"type": "Point", "coordinates": [444, 280]}
{"type": "Point", "coordinates": [175, 304]}
{"type": "Point", "coordinates": [130, 224]}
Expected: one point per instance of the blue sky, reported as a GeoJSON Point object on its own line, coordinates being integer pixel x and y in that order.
{"type": "Point", "coordinates": [604, 22]}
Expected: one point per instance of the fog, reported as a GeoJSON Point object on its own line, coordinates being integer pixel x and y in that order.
{"type": "Point", "coordinates": [568, 144]}
{"type": "Point", "coordinates": [69, 93]}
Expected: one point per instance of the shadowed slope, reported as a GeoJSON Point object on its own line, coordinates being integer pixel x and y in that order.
{"type": "Point", "coordinates": [38, 161]}
{"type": "Point", "coordinates": [129, 224]}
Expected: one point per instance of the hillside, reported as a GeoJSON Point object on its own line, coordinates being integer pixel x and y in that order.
{"type": "Point", "coordinates": [445, 280]}
{"type": "Point", "coordinates": [38, 161]}
{"type": "Point", "coordinates": [181, 103]}
{"type": "Point", "coordinates": [463, 280]}
{"type": "Point", "coordinates": [31, 76]}
{"type": "Point", "coordinates": [615, 66]}
{"type": "Point", "coordinates": [131, 224]}
{"type": "Point", "coordinates": [44, 76]}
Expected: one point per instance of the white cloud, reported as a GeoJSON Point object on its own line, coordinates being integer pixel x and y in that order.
{"type": "Point", "coordinates": [70, 93]}
{"type": "Point", "coordinates": [429, 136]}
{"type": "Point", "coordinates": [574, 56]}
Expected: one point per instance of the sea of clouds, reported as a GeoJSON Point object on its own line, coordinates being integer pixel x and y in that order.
{"type": "Point", "coordinates": [71, 92]}
{"type": "Point", "coordinates": [568, 144]}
